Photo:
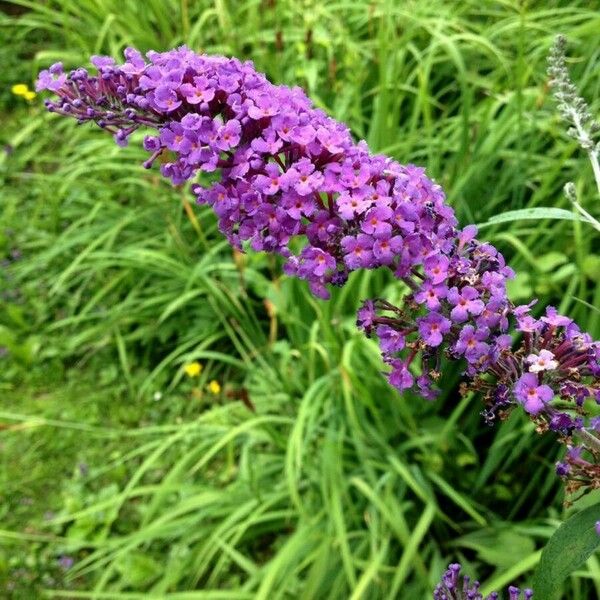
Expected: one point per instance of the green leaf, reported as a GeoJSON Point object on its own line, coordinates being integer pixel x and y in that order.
{"type": "Point", "coordinates": [550, 261]}
{"type": "Point", "coordinates": [138, 569]}
{"type": "Point", "coordinates": [519, 288]}
{"type": "Point", "coordinates": [570, 546]}
{"type": "Point", "coordinates": [536, 214]}
{"type": "Point", "coordinates": [498, 548]}
{"type": "Point", "coordinates": [591, 266]}
{"type": "Point", "coordinates": [563, 273]}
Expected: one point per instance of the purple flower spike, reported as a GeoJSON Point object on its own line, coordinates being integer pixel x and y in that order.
{"type": "Point", "coordinates": [288, 179]}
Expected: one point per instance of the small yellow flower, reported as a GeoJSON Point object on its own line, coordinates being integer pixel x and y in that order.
{"type": "Point", "coordinates": [214, 387]}
{"type": "Point", "coordinates": [19, 89]}
{"type": "Point", "coordinates": [193, 369]}
{"type": "Point", "coordinates": [29, 95]}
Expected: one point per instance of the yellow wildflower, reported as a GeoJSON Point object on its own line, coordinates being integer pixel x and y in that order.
{"type": "Point", "coordinates": [29, 95]}
{"type": "Point", "coordinates": [19, 89]}
{"type": "Point", "coordinates": [214, 387]}
{"type": "Point", "coordinates": [193, 369]}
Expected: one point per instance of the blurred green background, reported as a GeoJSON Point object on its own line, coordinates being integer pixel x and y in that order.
{"type": "Point", "coordinates": [301, 474]}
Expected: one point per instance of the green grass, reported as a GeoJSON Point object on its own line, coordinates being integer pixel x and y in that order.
{"type": "Point", "coordinates": [334, 486]}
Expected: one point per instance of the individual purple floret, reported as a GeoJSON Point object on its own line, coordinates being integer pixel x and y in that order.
{"type": "Point", "coordinates": [455, 586]}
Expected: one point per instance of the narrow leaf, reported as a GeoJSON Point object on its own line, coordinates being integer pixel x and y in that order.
{"type": "Point", "coordinates": [536, 214]}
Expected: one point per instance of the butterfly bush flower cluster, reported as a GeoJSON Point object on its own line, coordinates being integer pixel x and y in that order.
{"type": "Point", "coordinates": [453, 586]}
{"type": "Point", "coordinates": [286, 169]}
{"type": "Point", "coordinates": [288, 179]}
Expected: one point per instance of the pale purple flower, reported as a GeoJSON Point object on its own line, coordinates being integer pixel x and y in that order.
{"type": "Point", "coordinates": [304, 178]}
{"type": "Point", "coordinates": [66, 562]}
{"type": "Point", "coordinates": [269, 143]}
{"type": "Point", "coordinates": [316, 262]}
{"type": "Point", "coordinates": [471, 343]}
{"type": "Point", "coordinates": [365, 317]}
{"type": "Point", "coordinates": [269, 183]}
{"type": "Point", "coordinates": [200, 91]}
{"type": "Point", "coordinates": [265, 105]}
{"type": "Point", "coordinates": [544, 361]}
{"type": "Point", "coordinates": [350, 205]}
{"type": "Point", "coordinates": [228, 136]}
{"type": "Point", "coordinates": [298, 206]}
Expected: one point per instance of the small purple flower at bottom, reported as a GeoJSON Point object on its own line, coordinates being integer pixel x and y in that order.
{"type": "Point", "coordinates": [597, 527]}
{"type": "Point", "coordinates": [514, 593]}
{"type": "Point", "coordinates": [532, 396]}
{"type": "Point", "coordinates": [454, 587]}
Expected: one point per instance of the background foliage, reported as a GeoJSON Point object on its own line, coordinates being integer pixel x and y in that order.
{"type": "Point", "coordinates": [306, 476]}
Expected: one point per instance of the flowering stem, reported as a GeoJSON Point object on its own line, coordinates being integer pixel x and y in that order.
{"type": "Point", "coordinates": [316, 183]}
{"type": "Point", "coordinates": [586, 141]}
